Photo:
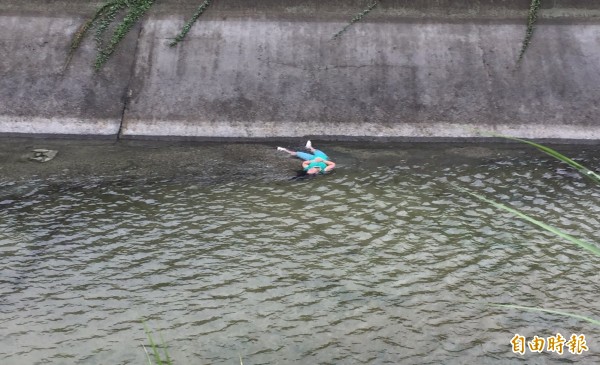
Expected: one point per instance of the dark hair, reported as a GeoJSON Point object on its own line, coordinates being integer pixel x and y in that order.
{"type": "Point", "coordinates": [302, 175]}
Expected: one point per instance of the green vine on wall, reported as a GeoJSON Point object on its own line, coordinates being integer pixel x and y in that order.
{"type": "Point", "coordinates": [136, 9]}
{"type": "Point", "coordinates": [102, 20]}
{"type": "Point", "coordinates": [531, 19]}
{"type": "Point", "coordinates": [188, 25]}
{"type": "Point", "coordinates": [136, 12]}
{"type": "Point", "coordinates": [100, 14]}
{"type": "Point", "coordinates": [358, 17]}
{"type": "Point", "coordinates": [105, 16]}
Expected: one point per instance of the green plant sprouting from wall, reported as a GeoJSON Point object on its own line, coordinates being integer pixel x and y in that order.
{"type": "Point", "coordinates": [136, 9]}
{"type": "Point", "coordinates": [188, 25]}
{"type": "Point", "coordinates": [101, 21]}
{"type": "Point", "coordinates": [106, 15]}
{"type": "Point", "coordinates": [531, 19]}
{"type": "Point", "coordinates": [79, 35]}
{"type": "Point", "coordinates": [358, 17]}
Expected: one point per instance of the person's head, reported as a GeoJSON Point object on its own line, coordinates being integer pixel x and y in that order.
{"type": "Point", "coordinates": [313, 171]}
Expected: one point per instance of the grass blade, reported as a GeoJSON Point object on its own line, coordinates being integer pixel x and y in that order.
{"type": "Point", "coordinates": [534, 309]}
{"type": "Point", "coordinates": [147, 354]}
{"type": "Point", "coordinates": [164, 346]}
{"type": "Point", "coordinates": [549, 151]}
{"type": "Point", "coordinates": [155, 353]}
{"type": "Point", "coordinates": [585, 245]}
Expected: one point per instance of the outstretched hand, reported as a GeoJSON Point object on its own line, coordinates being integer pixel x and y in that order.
{"type": "Point", "coordinates": [330, 166]}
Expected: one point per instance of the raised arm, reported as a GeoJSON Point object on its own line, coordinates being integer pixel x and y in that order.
{"type": "Point", "coordinates": [330, 166]}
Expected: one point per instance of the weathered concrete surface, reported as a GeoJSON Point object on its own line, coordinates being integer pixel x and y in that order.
{"type": "Point", "coordinates": [39, 95]}
{"type": "Point", "coordinates": [270, 69]}
{"type": "Point", "coordinates": [233, 78]}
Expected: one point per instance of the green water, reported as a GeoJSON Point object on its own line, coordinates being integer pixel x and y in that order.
{"type": "Point", "coordinates": [217, 249]}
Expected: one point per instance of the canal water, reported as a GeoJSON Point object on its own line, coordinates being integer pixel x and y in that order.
{"type": "Point", "coordinates": [224, 256]}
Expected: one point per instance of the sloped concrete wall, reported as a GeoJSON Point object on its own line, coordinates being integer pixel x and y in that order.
{"type": "Point", "coordinates": [39, 95]}
{"type": "Point", "coordinates": [253, 78]}
{"type": "Point", "coordinates": [271, 69]}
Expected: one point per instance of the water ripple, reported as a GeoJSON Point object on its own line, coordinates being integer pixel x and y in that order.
{"type": "Point", "coordinates": [385, 265]}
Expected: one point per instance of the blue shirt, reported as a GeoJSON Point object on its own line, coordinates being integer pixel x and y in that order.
{"type": "Point", "coordinates": [320, 164]}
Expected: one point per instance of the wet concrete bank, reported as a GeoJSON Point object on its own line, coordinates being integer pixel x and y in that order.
{"type": "Point", "coordinates": [210, 161]}
{"type": "Point", "coordinates": [271, 69]}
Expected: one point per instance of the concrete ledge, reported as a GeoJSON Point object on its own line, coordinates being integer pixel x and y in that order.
{"type": "Point", "coordinates": [146, 129]}
{"type": "Point", "coordinates": [58, 125]}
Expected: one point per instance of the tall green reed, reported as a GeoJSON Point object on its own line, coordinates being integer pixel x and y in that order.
{"type": "Point", "coordinates": [551, 152]}
{"type": "Point", "coordinates": [559, 156]}
{"type": "Point", "coordinates": [585, 245]}
{"type": "Point", "coordinates": [552, 311]}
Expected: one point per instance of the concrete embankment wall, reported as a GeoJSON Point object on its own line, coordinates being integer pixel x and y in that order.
{"type": "Point", "coordinates": [271, 69]}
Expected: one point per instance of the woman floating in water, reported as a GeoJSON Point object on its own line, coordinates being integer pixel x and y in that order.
{"type": "Point", "coordinates": [316, 162]}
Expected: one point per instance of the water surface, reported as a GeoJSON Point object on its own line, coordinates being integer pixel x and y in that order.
{"type": "Point", "coordinates": [383, 261]}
